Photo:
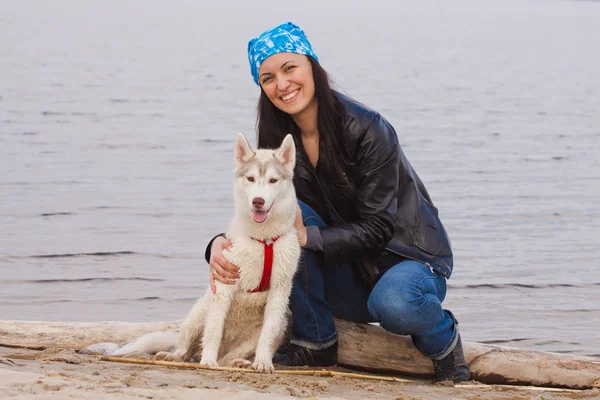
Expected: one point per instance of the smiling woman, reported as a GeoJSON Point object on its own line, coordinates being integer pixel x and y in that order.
{"type": "Point", "coordinates": [374, 249]}
{"type": "Point", "coordinates": [287, 80]}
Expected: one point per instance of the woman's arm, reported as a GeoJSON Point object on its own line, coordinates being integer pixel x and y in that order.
{"type": "Point", "coordinates": [220, 269]}
{"type": "Point", "coordinates": [378, 162]}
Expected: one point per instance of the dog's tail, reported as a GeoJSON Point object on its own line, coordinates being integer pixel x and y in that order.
{"type": "Point", "coordinates": [151, 343]}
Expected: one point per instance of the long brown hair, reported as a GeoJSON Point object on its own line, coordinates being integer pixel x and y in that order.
{"type": "Point", "coordinates": [273, 124]}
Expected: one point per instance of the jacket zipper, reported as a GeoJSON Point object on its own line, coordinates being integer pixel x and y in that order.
{"type": "Point", "coordinates": [322, 191]}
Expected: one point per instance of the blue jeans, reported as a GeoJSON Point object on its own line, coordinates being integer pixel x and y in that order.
{"type": "Point", "coordinates": [407, 300]}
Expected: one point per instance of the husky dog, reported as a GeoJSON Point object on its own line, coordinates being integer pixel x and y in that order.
{"type": "Point", "coordinates": [250, 316]}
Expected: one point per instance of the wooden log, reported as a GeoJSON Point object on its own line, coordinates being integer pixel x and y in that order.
{"type": "Point", "coordinates": [372, 348]}
{"type": "Point", "coordinates": [365, 347]}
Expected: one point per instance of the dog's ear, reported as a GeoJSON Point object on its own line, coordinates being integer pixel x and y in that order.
{"type": "Point", "coordinates": [286, 153]}
{"type": "Point", "coordinates": [243, 152]}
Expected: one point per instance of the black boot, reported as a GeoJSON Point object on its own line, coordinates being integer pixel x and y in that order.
{"type": "Point", "coordinates": [453, 367]}
{"type": "Point", "coordinates": [292, 355]}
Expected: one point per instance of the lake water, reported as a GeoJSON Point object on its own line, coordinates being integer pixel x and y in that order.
{"type": "Point", "coordinates": [117, 121]}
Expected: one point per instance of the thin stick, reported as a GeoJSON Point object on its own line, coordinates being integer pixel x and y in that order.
{"type": "Point", "coordinates": [235, 369]}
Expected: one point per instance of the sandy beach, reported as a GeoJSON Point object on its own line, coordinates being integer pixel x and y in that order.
{"type": "Point", "coordinates": [61, 373]}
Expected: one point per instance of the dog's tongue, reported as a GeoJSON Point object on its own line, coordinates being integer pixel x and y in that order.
{"type": "Point", "coordinates": [259, 216]}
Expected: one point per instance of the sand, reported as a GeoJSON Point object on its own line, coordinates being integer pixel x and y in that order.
{"type": "Point", "coordinates": [61, 374]}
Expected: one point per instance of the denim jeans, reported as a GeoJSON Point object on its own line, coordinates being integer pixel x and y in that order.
{"type": "Point", "coordinates": [407, 300]}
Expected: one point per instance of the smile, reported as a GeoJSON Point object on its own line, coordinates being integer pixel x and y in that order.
{"type": "Point", "coordinates": [291, 96]}
{"type": "Point", "coordinates": [260, 216]}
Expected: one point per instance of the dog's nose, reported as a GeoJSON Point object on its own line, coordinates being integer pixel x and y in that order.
{"type": "Point", "coordinates": [257, 202]}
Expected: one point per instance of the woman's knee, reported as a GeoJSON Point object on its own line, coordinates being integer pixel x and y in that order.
{"type": "Point", "coordinates": [404, 297]}
{"type": "Point", "coordinates": [388, 303]}
{"type": "Point", "coordinates": [309, 216]}
{"type": "Point", "coordinates": [403, 315]}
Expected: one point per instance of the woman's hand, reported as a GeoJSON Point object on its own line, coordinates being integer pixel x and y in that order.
{"type": "Point", "coordinates": [221, 269]}
{"type": "Point", "coordinates": [300, 228]}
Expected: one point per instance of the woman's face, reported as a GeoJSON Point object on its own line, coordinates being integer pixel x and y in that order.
{"type": "Point", "coordinates": [287, 80]}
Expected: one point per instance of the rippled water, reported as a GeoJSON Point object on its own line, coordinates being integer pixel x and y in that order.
{"type": "Point", "coordinates": [117, 122]}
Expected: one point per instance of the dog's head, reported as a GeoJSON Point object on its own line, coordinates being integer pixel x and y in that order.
{"type": "Point", "coordinates": [263, 186]}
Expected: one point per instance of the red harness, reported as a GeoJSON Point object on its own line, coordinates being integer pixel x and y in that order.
{"type": "Point", "coordinates": [265, 282]}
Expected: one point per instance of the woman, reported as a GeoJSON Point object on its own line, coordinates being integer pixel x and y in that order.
{"type": "Point", "coordinates": [373, 246]}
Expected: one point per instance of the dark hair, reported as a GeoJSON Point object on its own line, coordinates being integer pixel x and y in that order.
{"type": "Point", "coordinates": [273, 124]}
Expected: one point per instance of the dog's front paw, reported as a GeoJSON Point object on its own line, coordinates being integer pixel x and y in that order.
{"type": "Point", "coordinates": [263, 366]}
{"type": "Point", "coordinates": [209, 361]}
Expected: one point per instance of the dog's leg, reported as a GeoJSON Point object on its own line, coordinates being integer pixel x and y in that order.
{"type": "Point", "coordinates": [273, 326]}
{"type": "Point", "coordinates": [240, 354]}
{"type": "Point", "coordinates": [218, 307]}
{"type": "Point", "coordinates": [190, 335]}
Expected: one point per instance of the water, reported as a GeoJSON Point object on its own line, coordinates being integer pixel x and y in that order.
{"type": "Point", "coordinates": [117, 122]}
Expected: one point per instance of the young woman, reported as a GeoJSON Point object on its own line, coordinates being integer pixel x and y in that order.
{"type": "Point", "coordinates": [374, 248]}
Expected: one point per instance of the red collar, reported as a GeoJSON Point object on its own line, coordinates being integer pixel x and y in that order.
{"type": "Point", "coordinates": [265, 282]}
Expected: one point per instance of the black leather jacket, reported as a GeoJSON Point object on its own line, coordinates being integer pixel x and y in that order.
{"type": "Point", "coordinates": [381, 203]}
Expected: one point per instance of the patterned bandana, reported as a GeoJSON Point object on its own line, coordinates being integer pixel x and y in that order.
{"type": "Point", "coordinates": [284, 38]}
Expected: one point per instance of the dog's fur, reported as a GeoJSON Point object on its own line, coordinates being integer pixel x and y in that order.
{"type": "Point", "coordinates": [233, 324]}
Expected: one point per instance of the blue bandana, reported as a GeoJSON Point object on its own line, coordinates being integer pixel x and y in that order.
{"type": "Point", "coordinates": [284, 38]}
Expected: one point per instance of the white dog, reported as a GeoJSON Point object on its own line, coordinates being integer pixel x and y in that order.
{"type": "Point", "coordinates": [249, 316]}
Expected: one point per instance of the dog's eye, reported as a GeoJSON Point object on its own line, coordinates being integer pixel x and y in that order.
{"type": "Point", "coordinates": [272, 180]}
{"type": "Point", "coordinates": [250, 178]}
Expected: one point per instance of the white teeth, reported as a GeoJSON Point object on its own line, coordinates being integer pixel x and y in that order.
{"type": "Point", "coordinates": [290, 96]}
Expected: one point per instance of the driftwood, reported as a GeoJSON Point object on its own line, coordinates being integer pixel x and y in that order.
{"type": "Point", "coordinates": [371, 347]}
{"type": "Point", "coordinates": [365, 347]}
